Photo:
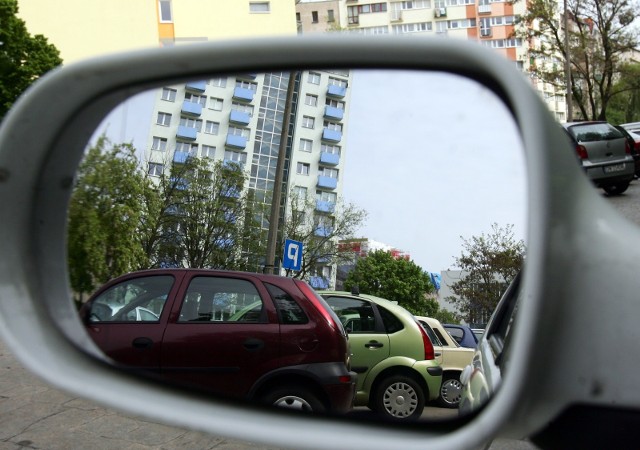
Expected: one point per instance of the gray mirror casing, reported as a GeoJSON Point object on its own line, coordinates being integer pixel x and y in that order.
{"type": "Point", "coordinates": [579, 275]}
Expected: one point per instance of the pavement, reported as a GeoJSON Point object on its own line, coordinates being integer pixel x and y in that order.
{"type": "Point", "coordinates": [34, 415]}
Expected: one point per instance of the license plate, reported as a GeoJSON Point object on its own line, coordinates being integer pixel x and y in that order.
{"type": "Point", "coordinates": [616, 168]}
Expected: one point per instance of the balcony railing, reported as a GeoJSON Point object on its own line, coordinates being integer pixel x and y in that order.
{"type": "Point", "coordinates": [331, 135]}
{"type": "Point", "coordinates": [198, 86]}
{"type": "Point", "coordinates": [243, 94]}
{"type": "Point", "coordinates": [336, 91]}
{"type": "Point", "coordinates": [235, 141]}
{"type": "Point", "coordinates": [191, 108]}
{"type": "Point", "coordinates": [327, 182]}
{"type": "Point", "coordinates": [331, 112]}
{"type": "Point", "coordinates": [329, 159]}
{"type": "Point", "coordinates": [239, 117]}
{"type": "Point", "coordinates": [325, 207]}
{"type": "Point", "coordinates": [187, 133]}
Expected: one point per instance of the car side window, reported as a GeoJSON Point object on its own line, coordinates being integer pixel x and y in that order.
{"type": "Point", "coordinates": [356, 315]}
{"type": "Point", "coordinates": [441, 338]}
{"type": "Point", "coordinates": [289, 311]}
{"type": "Point", "coordinates": [219, 299]}
{"type": "Point", "coordinates": [391, 323]}
{"type": "Point", "coordinates": [456, 334]}
{"type": "Point", "coordinates": [435, 340]}
{"type": "Point", "coordinates": [134, 300]}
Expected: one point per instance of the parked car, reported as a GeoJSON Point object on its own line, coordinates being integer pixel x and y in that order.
{"type": "Point", "coordinates": [260, 337]}
{"type": "Point", "coordinates": [481, 379]}
{"type": "Point", "coordinates": [452, 358]}
{"type": "Point", "coordinates": [634, 143]}
{"type": "Point", "coordinates": [391, 353]}
{"type": "Point", "coordinates": [462, 334]}
{"type": "Point", "coordinates": [631, 126]}
{"type": "Point", "coordinates": [605, 154]}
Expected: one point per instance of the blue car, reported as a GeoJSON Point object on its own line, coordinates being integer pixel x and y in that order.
{"type": "Point", "coordinates": [462, 334]}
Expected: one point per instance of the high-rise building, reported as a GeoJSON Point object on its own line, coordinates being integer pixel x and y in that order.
{"type": "Point", "coordinates": [239, 118]}
{"type": "Point", "coordinates": [81, 28]}
{"type": "Point", "coordinates": [490, 22]}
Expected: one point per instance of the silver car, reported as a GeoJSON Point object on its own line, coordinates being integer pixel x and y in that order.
{"type": "Point", "coordinates": [605, 154]}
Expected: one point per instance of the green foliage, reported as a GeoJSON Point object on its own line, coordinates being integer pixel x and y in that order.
{"type": "Point", "coordinates": [446, 316]}
{"type": "Point", "coordinates": [625, 105]}
{"type": "Point", "coordinates": [23, 58]}
{"type": "Point", "coordinates": [320, 232]}
{"type": "Point", "coordinates": [600, 35]}
{"type": "Point", "coordinates": [395, 279]}
{"type": "Point", "coordinates": [489, 263]}
{"type": "Point", "coordinates": [104, 214]}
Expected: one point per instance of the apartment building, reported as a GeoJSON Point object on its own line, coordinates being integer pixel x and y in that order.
{"type": "Point", "coordinates": [239, 118]}
{"type": "Point", "coordinates": [490, 22]}
{"type": "Point", "coordinates": [86, 28]}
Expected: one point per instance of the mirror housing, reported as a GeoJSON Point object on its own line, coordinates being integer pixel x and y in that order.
{"type": "Point", "coordinates": [563, 282]}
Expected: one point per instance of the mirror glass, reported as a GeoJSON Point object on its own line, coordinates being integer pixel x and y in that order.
{"type": "Point", "coordinates": [388, 180]}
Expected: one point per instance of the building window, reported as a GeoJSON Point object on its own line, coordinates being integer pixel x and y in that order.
{"type": "Point", "coordinates": [237, 131]}
{"type": "Point", "coordinates": [333, 149]}
{"type": "Point", "coordinates": [332, 126]}
{"type": "Point", "coordinates": [338, 82]}
{"type": "Point", "coordinates": [334, 103]}
{"type": "Point", "coordinates": [187, 147]}
{"type": "Point", "coordinates": [412, 27]}
{"type": "Point", "coordinates": [302, 168]}
{"type": "Point", "coordinates": [195, 98]}
{"type": "Point", "coordinates": [211, 127]}
{"type": "Point", "coordinates": [306, 145]}
{"type": "Point", "coordinates": [163, 119]}
{"type": "Point", "coordinates": [247, 85]}
{"type": "Point", "coordinates": [219, 82]}
{"type": "Point", "coordinates": [164, 7]}
{"type": "Point", "coordinates": [155, 169]}
{"type": "Point", "coordinates": [159, 144]}
{"type": "Point", "coordinates": [329, 197]}
{"type": "Point", "coordinates": [259, 7]}
{"type": "Point", "coordinates": [311, 100]}
{"type": "Point", "coordinates": [208, 151]}
{"type": "Point", "coordinates": [237, 157]}
{"type": "Point", "coordinates": [327, 172]}
{"type": "Point", "coordinates": [308, 122]}
{"type": "Point", "coordinates": [313, 78]}
{"type": "Point", "coordinates": [314, 16]}
{"type": "Point", "coordinates": [300, 192]}
{"type": "Point", "coordinates": [191, 123]}
{"type": "Point", "coordinates": [169, 94]}
{"type": "Point", "coordinates": [331, 16]}
{"type": "Point", "coordinates": [215, 103]}
{"type": "Point", "coordinates": [247, 109]}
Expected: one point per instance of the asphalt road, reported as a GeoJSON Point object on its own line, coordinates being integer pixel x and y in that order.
{"type": "Point", "coordinates": [628, 202]}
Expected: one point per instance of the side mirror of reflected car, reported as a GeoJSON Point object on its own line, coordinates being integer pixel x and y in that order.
{"type": "Point", "coordinates": [579, 267]}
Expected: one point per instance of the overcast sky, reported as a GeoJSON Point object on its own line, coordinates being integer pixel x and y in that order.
{"type": "Point", "coordinates": [431, 157]}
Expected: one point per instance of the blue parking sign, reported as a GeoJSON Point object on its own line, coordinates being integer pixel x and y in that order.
{"type": "Point", "coordinates": [292, 258]}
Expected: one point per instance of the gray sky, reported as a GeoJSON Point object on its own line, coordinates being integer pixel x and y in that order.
{"type": "Point", "coordinates": [431, 157]}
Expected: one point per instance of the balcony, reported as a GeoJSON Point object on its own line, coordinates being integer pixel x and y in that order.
{"type": "Point", "coordinates": [231, 193]}
{"type": "Point", "coordinates": [191, 109]}
{"type": "Point", "coordinates": [440, 12]}
{"type": "Point", "coordinates": [329, 159]}
{"type": "Point", "coordinates": [197, 86]}
{"type": "Point", "coordinates": [323, 231]}
{"type": "Point", "coordinates": [327, 182]}
{"type": "Point", "coordinates": [239, 117]}
{"type": "Point", "coordinates": [325, 207]}
{"type": "Point", "coordinates": [331, 112]}
{"type": "Point", "coordinates": [187, 133]}
{"type": "Point", "coordinates": [235, 141]}
{"type": "Point", "coordinates": [331, 135]}
{"type": "Point", "coordinates": [484, 9]}
{"type": "Point", "coordinates": [319, 283]}
{"type": "Point", "coordinates": [336, 91]}
{"type": "Point", "coordinates": [243, 94]}
{"type": "Point", "coordinates": [179, 183]}
{"type": "Point", "coordinates": [233, 165]}
{"type": "Point", "coordinates": [180, 157]}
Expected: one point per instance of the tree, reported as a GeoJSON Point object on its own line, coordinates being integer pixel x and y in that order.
{"type": "Point", "coordinates": [601, 33]}
{"type": "Point", "coordinates": [625, 105]}
{"type": "Point", "coordinates": [489, 262]}
{"type": "Point", "coordinates": [204, 218]}
{"type": "Point", "coordinates": [104, 215]}
{"type": "Point", "coordinates": [395, 279]}
{"type": "Point", "coordinates": [320, 232]}
{"type": "Point", "coordinates": [23, 58]}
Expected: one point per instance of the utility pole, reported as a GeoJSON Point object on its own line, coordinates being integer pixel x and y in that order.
{"type": "Point", "coordinates": [274, 217]}
{"type": "Point", "coordinates": [567, 65]}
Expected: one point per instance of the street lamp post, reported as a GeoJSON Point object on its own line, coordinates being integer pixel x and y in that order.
{"type": "Point", "coordinates": [567, 64]}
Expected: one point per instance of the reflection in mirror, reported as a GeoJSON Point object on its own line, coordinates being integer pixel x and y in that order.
{"type": "Point", "coordinates": [396, 184]}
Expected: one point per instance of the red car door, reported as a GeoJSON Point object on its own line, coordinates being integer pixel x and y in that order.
{"type": "Point", "coordinates": [222, 335]}
{"type": "Point", "coordinates": [127, 319]}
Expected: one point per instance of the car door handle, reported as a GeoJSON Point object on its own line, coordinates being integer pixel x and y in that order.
{"type": "Point", "coordinates": [142, 343]}
{"type": "Point", "coordinates": [373, 344]}
{"type": "Point", "coordinates": [438, 354]}
{"type": "Point", "coordinates": [253, 345]}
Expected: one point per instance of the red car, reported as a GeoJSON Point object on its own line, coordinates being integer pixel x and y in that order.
{"type": "Point", "coordinates": [265, 338]}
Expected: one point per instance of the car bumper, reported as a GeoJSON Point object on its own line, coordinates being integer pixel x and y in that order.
{"type": "Point", "coordinates": [431, 371]}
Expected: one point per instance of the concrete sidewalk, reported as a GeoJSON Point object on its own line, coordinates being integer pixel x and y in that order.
{"type": "Point", "coordinates": [36, 416]}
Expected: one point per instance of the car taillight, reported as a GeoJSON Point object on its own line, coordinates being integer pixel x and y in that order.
{"type": "Point", "coordinates": [582, 151]}
{"type": "Point", "coordinates": [317, 302]}
{"type": "Point", "coordinates": [627, 148]}
{"type": "Point", "coordinates": [429, 352]}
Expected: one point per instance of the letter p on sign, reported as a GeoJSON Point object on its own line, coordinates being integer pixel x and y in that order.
{"type": "Point", "coordinates": [292, 257]}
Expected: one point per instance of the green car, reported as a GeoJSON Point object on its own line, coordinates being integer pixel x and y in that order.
{"type": "Point", "coordinates": [391, 353]}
